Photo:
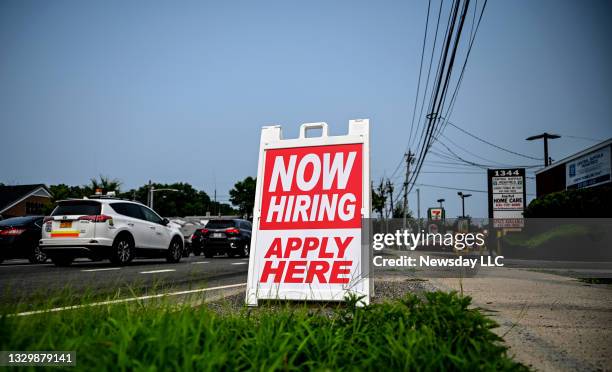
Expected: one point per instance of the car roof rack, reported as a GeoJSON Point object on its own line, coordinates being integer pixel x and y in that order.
{"type": "Point", "coordinates": [111, 197]}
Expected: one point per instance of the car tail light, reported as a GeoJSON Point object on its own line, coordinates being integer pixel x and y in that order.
{"type": "Point", "coordinates": [48, 219]}
{"type": "Point", "coordinates": [204, 231]}
{"type": "Point", "coordinates": [13, 231]}
{"type": "Point", "coordinates": [232, 230]}
{"type": "Point", "coordinates": [96, 218]}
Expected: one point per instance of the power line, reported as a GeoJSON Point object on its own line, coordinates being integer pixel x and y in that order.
{"type": "Point", "coordinates": [583, 138]}
{"type": "Point", "coordinates": [464, 149]}
{"type": "Point", "coordinates": [439, 97]}
{"type": "Point", "coordinates": [433, 49]}
{"type": "Point", "coordinates": [451, 188]}
{"type": "Point", "coordinates": [438, 91]}
{"type": "Point", "coordinates": [451, 172]}
{"type": "Point", "coordinates": [454, 96]}
{"type": "Point", "coordinates": [491, 144]}
{"type": "Point", "coordinates": [416, 97]}
{"type": "Point", "coordinates": [467, 56]}
{"type": "Point", "coordinates": [454, 156]}
{"type": "Point", "coordinates": [457, 188]}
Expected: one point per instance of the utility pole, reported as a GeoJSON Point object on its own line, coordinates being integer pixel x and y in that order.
{"type": "Point", "coordinates": [545, 136]}
{"type": "Point", "coordinates": [149, 194]}
{"type": "Point", "coordinates": [419, 204]}
{"type": "Point", "coordinates": [419, 208]}
{"type": "Point", "coordinates": [218, 209]}
{"type": "Point", "coordinates": [409, 160]}
{"type": "Point", "coordinates": [389, 189]}
{"type": "Point", "coordinates": [153, 190]}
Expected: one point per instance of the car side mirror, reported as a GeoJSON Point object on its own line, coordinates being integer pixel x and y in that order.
{"type": "Point", "coordinates": [165, 222]}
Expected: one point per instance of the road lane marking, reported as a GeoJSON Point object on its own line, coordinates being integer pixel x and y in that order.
{"type": "Point", "coordinates": [5, 265]}
{"type": "Point", "coordinates": [157, 271]}
{"type": "Point", "coordinates": [200, 262]}
{"type": "Point", "coordinates": [102, 269]}
{"type": "Point", "coordinates": [239, 263]}
{"type": "Point", "coordinates": [128, 299]}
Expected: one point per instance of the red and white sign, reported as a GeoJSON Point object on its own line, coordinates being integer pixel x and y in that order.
{"type": "Point", "coordinates": [312, 194]}
{"type": "Point", "coordinates": [436, 214]}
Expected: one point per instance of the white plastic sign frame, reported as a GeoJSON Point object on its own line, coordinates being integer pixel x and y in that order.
{"type": "Point", "coordinates": [299, 254]}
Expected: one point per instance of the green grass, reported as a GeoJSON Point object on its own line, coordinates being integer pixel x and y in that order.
{"type": "Point", "coordinates": [596, 280]}
{"type": "Point", "coordinates": [555, 233]}
{"type": "Point", "coordinates": [438, 332]}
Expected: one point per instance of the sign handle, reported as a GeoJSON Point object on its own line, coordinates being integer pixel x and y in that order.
{"type": "Point", "coordinates": [306, 126]}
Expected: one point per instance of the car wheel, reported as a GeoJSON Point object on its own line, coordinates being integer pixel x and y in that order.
{"type": "Point", "coordinates": [123, 251]}
{"type": "Point", "coordinates": [175, 251]}
{"type": "Point", "coordinates": [62, 261]}
{"type": "Point", "coordinates": [37, 256]}
{"type": "Point", "coordinates": [244, 252]}
{"type": "Point", "coordinates": [185, 253]}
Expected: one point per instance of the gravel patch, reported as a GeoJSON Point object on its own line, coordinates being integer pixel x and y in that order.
{"type": "Point", "coordinates": [385, 289]}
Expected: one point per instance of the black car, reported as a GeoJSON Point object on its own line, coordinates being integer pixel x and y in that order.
{"type": "Point", "coordinates": [223, 236]}
{"type": "Point", "coordinates": [19, 237]}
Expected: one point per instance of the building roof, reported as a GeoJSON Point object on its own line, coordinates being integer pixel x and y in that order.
{"type": "Point", "coordinates": [11, 195]}
{"type": "Point", "coordinates": [586, 151]}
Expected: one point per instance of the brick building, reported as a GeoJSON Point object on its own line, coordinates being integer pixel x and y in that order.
{"type": "Point", "coordinates": [24, 200]}
{"type": "Point", "coordinates": [591, 167]}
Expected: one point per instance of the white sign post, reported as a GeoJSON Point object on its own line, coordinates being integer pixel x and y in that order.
{"type": "Point", "coordinates": [311, 196]}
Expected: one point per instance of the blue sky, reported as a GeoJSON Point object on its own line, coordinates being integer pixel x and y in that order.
{"type": "Point", "coordinates": [178, 91]}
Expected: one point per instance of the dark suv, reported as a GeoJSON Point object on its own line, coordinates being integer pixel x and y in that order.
{"type": "Point", "coordinates": [223, 236]}
{"type": "Point", "coordinates": [19, 238]}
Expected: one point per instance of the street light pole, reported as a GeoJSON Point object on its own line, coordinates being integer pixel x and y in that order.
{"type": "Point", "coordinates": [463, 196]}
{"type": "Point", "coordinates": [152, 190]}
{"type": "Point", "coordinates": [545, 136]}
{"type": "Point", "coordinates": [441, 201]}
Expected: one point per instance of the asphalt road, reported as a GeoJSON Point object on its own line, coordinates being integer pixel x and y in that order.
{"type": "Point", "coordinates": [22, 282]}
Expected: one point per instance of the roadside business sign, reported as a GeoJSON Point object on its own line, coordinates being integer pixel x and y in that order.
{"type": "Point", "coordinates": [311, 196]}
{"type": "Point", "coordinates": [463, 225]}
{"type": "Point", "coordinates": [589, 170]}
{"type": "Point", "coordinates": [507, 195]}
{"type": "Point", "coordinates": [435, 214]}
{"type": "Point", "coordinates": [433, 228]}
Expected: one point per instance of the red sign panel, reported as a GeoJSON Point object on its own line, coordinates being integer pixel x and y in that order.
{"type": "Point", "coordinates": [312, 188]}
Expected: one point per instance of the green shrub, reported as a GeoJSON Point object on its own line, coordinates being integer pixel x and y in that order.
{"type": "Point", "coordinates": [582, 203]}
{"type": "Point", "coordinates": [438, 333]}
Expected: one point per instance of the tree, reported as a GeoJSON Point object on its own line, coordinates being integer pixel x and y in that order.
{"type": "Point", "coordinates": [187, 201]}
{"type": "Point", "coordinates": [106, 184]}
{"type": "Point", "coordinates": [593, 202]}
{"type": "Point", "coordinates": [243, 195]}
{"type": "Point", "coordinates": [398, 211]}
{"type": "Point", "coordinates": [379, 199]}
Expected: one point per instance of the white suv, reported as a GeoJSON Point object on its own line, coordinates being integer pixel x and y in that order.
{"type": "Point", "coordinates": [111, 228]}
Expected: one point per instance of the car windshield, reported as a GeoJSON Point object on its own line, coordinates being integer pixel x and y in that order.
{"type": "Point", "coordinates": [16, 221]}
{"type": "Point", "coordinates": [220, 224]}
{"type": "Point", "coordinates": [77, 208]}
